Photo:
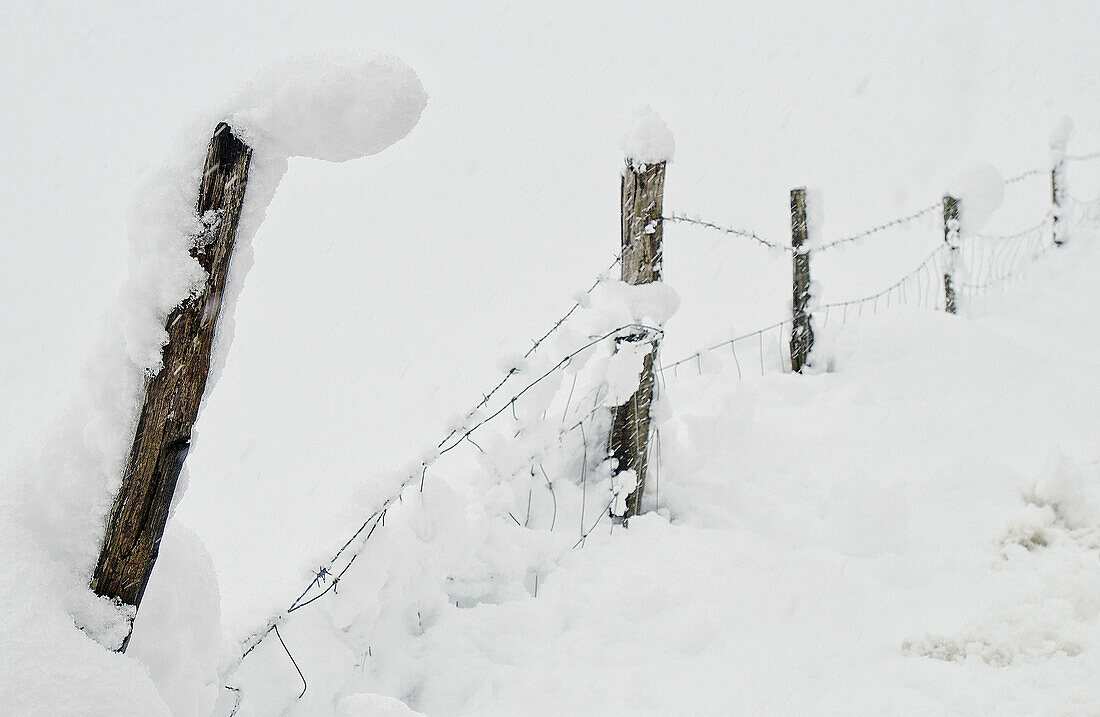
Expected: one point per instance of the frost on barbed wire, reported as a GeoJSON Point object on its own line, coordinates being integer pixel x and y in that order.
{"type": "Point", "coordinates": [480, 531]}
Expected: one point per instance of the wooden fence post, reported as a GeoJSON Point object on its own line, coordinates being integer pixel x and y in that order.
{"type": "Point", "coordinates": [1057, 197]}
{"type": "Point", "coordinates": [802, 333]}
{"type": "Point", "coordinates": [951, 236]}
{"type": "Point", "coordinates": [172, 397]}
{"type": "Point", "coordinates": [643, 188]}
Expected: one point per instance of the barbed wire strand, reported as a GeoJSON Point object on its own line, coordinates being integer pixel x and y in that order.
{"type": "Point", "coordinates": [744, 233]}
{"type": "Point", "coordinates": [881, 227]}
{"type": "Point", "coordinates": [377, 518]}
{"type": "Point", "coordinates": [537, 343]}
{"type": "Point", "coordinates": [1024, 175]}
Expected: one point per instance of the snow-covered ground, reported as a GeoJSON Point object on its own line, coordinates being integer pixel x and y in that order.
{"type": "Point", "coordinates": [915, 530]}
{"type": "Point", "coordinates": [911, 528]}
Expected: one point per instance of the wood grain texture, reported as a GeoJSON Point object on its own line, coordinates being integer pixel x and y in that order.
{"type": "Point", "coordinates": [172, 397]}
{"type": "Point", "coordinates": [951, 236]}
{"type": "Point", "coordinates": [802, 333]}
{"type": "Point", "coordinates": [642, 194]}
{"type": "Point", "coordinates": [1057, 198]}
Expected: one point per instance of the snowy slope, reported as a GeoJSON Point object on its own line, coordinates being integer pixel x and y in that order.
{"type": "Point", "coordinates": [811, 527]}
{"type": "Point", "coordinates": [914, 531]}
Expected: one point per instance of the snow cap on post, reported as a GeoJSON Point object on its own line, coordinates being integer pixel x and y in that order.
{"type": "Point", "coordinates": [979, 189]}
{"type": "Point", "coordinates": [648, 140]}
{"type": "Point", "coordinates": [335, 109]}
{"type": "Point", "coordinates": [1059, 139]}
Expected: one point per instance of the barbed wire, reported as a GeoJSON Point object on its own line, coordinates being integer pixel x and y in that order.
{"type": "Point", "coordinates": [881, 227]}
{"type": "Point", "coordinates": [536, 344]}
{"type": "Point", "coordinates": [1024, 175]}
{"type": "Point", "coordinates": [1081, 157]}
{"type": "Point", "coordinates": [684, 219]}
{"type": "Point", "coordinates": [327, 575]}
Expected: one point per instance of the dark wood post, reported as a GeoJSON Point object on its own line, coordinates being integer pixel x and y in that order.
{"type": "Point", "coordinates": [172, 397]}
{"type": "Point", "coordinates": [643, 188]}
{"type": "Point", "coordinates": [802, 333]}
{"type": "Point", "coordinates": [951, 236]}
{"type": "Point", "coordinates": [1057, 198]}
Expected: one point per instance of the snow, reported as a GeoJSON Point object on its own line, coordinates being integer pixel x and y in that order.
{"type": "Point", "coordinates": [1072, 492]}
{"type": "Point", "coordinates": [952, 546]}
{"type": "Point", "coordinates": [815, 218]}
{"type": "Point", "coordinates": [331, 109]}
{"type": "Point", "coordinates": [178, 631]}
{"type": "Point", "coordinates": [910, 529]}
{"type": "Point", "coordinates": [335, 111]}
{"type": "Point", "coordinates": [648, 139]}
{"type": "Point", "coordinates": [1059, 139]}
{"type": "Point", "coordinates": [980, 190]}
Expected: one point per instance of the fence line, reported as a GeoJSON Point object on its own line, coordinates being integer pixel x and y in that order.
{"type": "Point", "coordinates": [327, 576]}
{"type": "Point", "coordinates": [682, 218]}
{"type": "Point", "coordinates": [826, 308]}
{"type": "Point", "coordinates": [1007, 257]}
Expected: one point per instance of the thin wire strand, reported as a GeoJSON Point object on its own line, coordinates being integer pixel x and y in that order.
{"type": "Point", "coordinates": [743, 233]}
{"type": "Point", "coordinates": [534, 347]}
{"type": "Point", "coordinates": [881, 227]}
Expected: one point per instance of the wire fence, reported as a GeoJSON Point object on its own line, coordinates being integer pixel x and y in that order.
{"type": "Point", "coordinates": [989, 260]}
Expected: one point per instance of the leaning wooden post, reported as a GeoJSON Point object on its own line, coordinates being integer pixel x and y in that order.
{"type": "Point", "coordinates": [643, 188]}
{"type": "Point", "coordinates": [172, 397]}
{"type": "Point", "coordinates": [802, 333]}
{"type": "Point", "coordinates": [1057, 198]}
{"type": "Point", "coordinates": [951, 236]}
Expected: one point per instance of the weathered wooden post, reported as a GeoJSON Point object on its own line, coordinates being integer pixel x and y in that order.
{"type": "Point", "coordinates": [1057, 198]}
{"type": "Point", "coordinates": [951, 236]}
{"type": "Point", "coordinates": [643, 188]}
{"type": "Point", "coordinates": [1059, 140]}
{"type": "Point", "coordinates": [802, 333]}
{"type": "Point", "coordinates": [172, 397]}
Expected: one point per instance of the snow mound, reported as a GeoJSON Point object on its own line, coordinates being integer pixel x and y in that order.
{"type": "Point", "coordinates": [1059, 139]}
{"type": "Point", "coordinates": [178, 633]}
{"type": "Point", "coordinates": [980, 190]}
{"type": "Point", "coordinates": [648, 140]}
{"type": "Point", "coordinates": [1069, 491]}
{"type": "Point", "coordinates": [331, 109]}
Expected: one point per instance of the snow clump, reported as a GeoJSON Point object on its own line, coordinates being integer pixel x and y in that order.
{"type": "Point", "coordinates": [980, 190]}
{"type": "Point", "coordinates": [648, 141]}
